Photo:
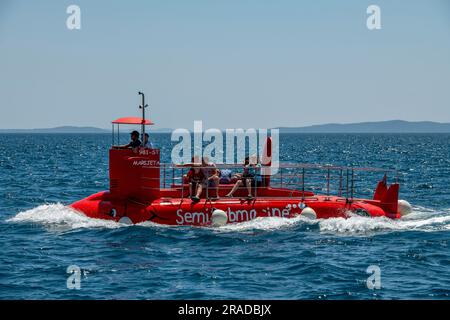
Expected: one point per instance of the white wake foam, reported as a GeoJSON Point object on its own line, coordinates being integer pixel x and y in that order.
{"type": "Point", "coordinates": [266, 223]}
{"type": "Point", "coordinates": [422, 219]}
{"type": "Point", "coordinates": [58, 215]}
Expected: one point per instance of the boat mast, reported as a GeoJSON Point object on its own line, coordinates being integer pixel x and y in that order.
{"type": "Point", "coordinates": [143, 106]}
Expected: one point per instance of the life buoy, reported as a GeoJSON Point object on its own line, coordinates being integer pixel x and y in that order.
{"type": "Point", "coordinates": [309, 213]}
{"type": "Point", "coordinates": [219, 218]}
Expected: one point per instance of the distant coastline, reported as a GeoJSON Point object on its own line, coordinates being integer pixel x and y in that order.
{"type": "Point", "coordinates": [63, 129]}
{"type": "Point", "coordinates": [392, 126]}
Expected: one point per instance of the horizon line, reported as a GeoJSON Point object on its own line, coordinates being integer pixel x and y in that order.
{"type": "Point", "coordinates": [77, 128]}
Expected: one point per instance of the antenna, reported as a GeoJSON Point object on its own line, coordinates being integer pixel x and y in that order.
{"type": "Point", "coordinates": [143, 106]}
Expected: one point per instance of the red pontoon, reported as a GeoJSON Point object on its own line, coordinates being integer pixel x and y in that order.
{"type": "Point", "coordinates": [143, 189]}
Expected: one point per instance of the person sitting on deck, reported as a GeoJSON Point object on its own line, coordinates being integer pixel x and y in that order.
{"type": "Point", "coordinates": [147, 143]}
{"type": "Point", "coordinates": [195, 178]}
{"type": "Point", "coordinates": [246, 178]}
{"type": "Point", "coordinates": [212, 177]}
{"type": "Point", "coordinates": [134, 142]}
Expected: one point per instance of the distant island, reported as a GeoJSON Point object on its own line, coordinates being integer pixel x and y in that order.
{"type": "Point", "coordinates": [63, 129]}
{"type": "Point", "coordinates": [392, 126]}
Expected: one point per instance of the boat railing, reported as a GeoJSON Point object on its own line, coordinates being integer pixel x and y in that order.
{"type": "Point", "coordinates": [293, 179]}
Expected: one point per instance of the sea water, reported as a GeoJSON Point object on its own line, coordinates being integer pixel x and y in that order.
{"type": "Point", "coordinates": [267, 258]}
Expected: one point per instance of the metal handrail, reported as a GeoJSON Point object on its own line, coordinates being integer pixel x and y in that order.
{"type": "Point", "coordinates": [345, 179]}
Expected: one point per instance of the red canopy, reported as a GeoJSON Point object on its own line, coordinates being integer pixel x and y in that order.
{"type": "Point", "coordinates": [132, 120]}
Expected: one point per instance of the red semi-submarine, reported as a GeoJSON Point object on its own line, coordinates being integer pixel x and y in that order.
{"type": "Point", "coordinates": [144, 189]}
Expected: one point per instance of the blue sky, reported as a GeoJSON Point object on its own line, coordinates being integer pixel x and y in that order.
{"type": "Point", "coordinates": [229, 63]}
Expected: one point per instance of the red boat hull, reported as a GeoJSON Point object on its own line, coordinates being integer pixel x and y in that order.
{"type": "Point", "coordinates": [182, 211]}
